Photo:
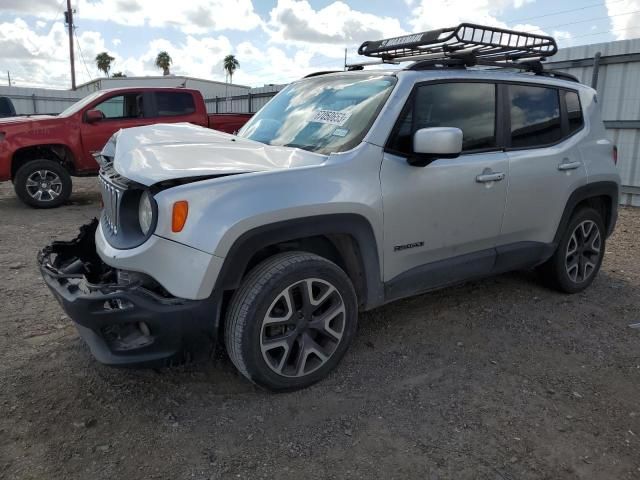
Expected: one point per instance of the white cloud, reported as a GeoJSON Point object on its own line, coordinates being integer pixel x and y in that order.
{"type": "Point", "coordinates": [42, 59]}
{"type": "Point", "coordinates": [624, 26]}
{"type": "Point", "coordinates": [195, 16]}
{"type": "Point", "coordinates": [116, 42]}
{"type": "Point", "coordinates": [337, 23]}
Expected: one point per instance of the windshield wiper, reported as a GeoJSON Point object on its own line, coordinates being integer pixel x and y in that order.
{"type": "Point", "coordinates": [310, 148]}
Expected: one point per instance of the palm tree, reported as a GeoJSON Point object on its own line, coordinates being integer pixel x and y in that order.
{"type": "Point", "coordinates": [103, 62]}
{"type": "Point", "coordinates": [118, 75]}
{"type": "Point", "coordinates": [163, 61]}
{"type": "Point", "coordinates": [230, 64]}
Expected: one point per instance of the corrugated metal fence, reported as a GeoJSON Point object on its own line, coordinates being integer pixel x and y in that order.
{"type": "Point", "coordinates": [250, 102]}
{"type": "Point", "coordinates": [29, 101]}
{"type": "Point", "coordinates": [618, 86]}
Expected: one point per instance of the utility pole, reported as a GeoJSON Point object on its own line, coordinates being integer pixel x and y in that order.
{"type": "Point", "coordinates": [9, 77]}
{"type": "Point", "coordinates": [69, 20]}
{"type": "Point", "coordinates": [345, 59]}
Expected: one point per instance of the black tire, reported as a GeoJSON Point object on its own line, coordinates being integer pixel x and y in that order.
{"type": "Point", "coordinates": [264, 291]}
{"type": "Point", "coordinates": [558, 272]}
{"type": "Point", "coordinates": [55, 178]}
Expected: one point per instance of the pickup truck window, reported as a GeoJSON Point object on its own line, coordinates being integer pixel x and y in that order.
{"type": "Point", "coordinates": [174, 103]}
{"type": "Point", "coordinates": [128, 105]}
{"type": "Point", "coordinates": [79, 105]}
{"type": "Point", "coordinates": [323, 114]}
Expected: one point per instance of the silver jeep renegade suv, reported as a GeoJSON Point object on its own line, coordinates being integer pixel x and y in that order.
{"type": "Point", "coordinates": [348, 190]}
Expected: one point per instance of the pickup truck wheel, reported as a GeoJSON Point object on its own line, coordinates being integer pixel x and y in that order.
{"type": "Point", "coordinates": [42, 184]}
{"type": "Point", "coordinates": [291, 321]}
{"type": "Point", "coordinates": [577, 260]}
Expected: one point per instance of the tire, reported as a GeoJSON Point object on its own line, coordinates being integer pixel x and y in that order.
{"type": "Point", "coordinates": [42, 184]}
{"type": "Point", "coordinates": [285, 345]}
{"type": "Point", "coordinates": [573, 272]}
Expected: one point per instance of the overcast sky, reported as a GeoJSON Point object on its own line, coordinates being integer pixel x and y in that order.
{"type": "Point", "coordinates": [275, 41]}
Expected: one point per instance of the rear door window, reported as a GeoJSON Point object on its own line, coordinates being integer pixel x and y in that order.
{"type": "Point", "coordinates": [174, 103]}
{"type": "Point", "coordinates": [535, 116]}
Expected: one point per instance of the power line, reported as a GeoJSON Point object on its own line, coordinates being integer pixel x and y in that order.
{"type": "Point", "coordinates": [81, 54]}
{"type": "Point", "coordinates": [593, 5]}
{"type": "Point", "coordinates": [595, 19]}
{"type": "Point", "coordinates": [600, 33]}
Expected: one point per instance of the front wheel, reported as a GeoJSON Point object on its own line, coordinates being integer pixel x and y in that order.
{"type": "Point", "coordinates": [43, 184]}
{"type": "Point", "coordinates": [291, 321]}
{"type": "Point", "coordinates": [577, 260]}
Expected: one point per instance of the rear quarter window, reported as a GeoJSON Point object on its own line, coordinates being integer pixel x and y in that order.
{"type": "Point", "coordinates": [574, 112]}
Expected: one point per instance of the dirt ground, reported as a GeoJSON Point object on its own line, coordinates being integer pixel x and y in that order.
{"type": "Point", "coordinates": [499, 379]}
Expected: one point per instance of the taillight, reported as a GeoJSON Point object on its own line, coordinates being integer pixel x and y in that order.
{"type": "Point", "coordinates": [614, 155]}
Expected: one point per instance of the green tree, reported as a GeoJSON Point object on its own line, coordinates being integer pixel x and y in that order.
{"type": "Point", "coordinates": [230, 65]}
{"type": "Point", "coordinates": [103, 62]}
{"type": "Point", "coordinates": [118, 75]}
{"type": "Point", "coordinates": [164, 61]}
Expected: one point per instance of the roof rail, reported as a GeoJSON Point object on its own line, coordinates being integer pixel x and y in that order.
{"type": "Point", "coordinates": [483, 42]}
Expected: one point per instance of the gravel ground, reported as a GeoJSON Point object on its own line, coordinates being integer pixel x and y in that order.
{"type": "Point", "coordinates": [499, 379]}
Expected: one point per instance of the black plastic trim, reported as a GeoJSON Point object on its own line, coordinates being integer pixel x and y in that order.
{"type": "Point", "coordinates": [356, 226]}
{"type": "Point", "coordinates": [591, 190]}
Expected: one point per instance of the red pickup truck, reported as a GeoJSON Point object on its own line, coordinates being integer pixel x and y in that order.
{"type": "Point", "coordinates": [40, 153]}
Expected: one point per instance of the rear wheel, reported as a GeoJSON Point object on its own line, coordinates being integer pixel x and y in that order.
{"type": "Point", "coordinates": [579, 255]}
{"type": "Point", "coordinates": [43, 184]}
{"type": "Point", "coordinates": [291, 321]}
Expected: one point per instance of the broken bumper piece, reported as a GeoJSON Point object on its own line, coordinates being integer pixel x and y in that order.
{"type": "Point", "coordinates": [125, 317]}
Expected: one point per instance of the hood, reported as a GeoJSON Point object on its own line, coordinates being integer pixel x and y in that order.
{"type": "Point", "coordinates": [25, 119]}
{"type": "Point", "coordinates": [161, 152]}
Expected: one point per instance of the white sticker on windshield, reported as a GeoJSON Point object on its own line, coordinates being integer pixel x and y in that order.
{"type": "Point", "coordinates": [331, 117]}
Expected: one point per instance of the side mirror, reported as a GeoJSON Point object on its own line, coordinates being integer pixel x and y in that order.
{"type": "Point", "coordinates": [436, 142]}
{"type": "Point", "coordinates": [93, 116]}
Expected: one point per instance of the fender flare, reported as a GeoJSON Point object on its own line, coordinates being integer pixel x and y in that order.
{"type": "Point", "coordinates": [597, 189]}
{"type": "Point", "coordinates": [354, 225]}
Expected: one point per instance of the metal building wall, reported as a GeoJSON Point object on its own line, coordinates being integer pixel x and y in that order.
{"type": "Point", "coordinates": [618, 86]}
{"type": "Point", "coordinates": [39, 100]}
{"type": "Point", "coordinates": [208, 88]}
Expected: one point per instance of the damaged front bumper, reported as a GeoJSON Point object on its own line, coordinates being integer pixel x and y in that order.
{"type": "Point", "coordinates": [125, 317]}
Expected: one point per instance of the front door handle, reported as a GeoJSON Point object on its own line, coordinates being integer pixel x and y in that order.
{"type": "Point", "coordinates": [490, 177]}
{"type": "Point", "coordinates": [567, 165]}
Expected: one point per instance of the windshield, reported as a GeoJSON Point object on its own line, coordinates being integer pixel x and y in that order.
{"type": "Point", "coordinates": [80, 104]}
{"type": "Point", "coordinates": [322, 114]}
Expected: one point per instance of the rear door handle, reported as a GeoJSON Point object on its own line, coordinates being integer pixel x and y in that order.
{"type": "Point", "coordinates": [567, 165]}
{"type": "Point", "coordinates": [490, 177]}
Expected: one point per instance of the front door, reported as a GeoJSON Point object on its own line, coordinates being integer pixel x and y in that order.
{"type": "Point", "coordinates": [441, 221]}
{"type": "Point", "coordinates": [122, 110]}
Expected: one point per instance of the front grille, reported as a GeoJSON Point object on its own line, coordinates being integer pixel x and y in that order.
{"type": "Point", "coordinates": [111, 198]}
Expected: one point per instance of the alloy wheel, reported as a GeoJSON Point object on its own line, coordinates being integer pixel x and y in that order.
{"type": "Point", "coordinates": [583, 251]}
{"type": "Point", "coordinates": [303, 327]}
{"type": "Point", "coordinates": [44, 185]}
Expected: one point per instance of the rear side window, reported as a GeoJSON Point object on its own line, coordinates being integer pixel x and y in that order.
{"type": "Point", "coordinates": [574, 112]}
{"type": "Point", "coordinates": [535, 116]}
{"type": "Point", "coordinates": [174, 103]}
{"type": "Point", "coordinates": [469, 106]}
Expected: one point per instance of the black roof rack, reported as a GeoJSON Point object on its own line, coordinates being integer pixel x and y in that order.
{"type": "Point", "coordinates": [482, 42]}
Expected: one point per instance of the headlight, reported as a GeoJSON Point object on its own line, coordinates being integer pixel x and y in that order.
{"type": "Point", "coordinates": [145, 212]}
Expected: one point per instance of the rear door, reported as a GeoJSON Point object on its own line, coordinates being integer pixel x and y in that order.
{"type": "Point", "coordinates": [545, 163]}
{"type": "Point", "coordinates": [120, 110]}
{"type": "Point", "coordinates": [441, 222]}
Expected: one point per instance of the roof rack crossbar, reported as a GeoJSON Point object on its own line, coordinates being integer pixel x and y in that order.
{"type": "Point", "coordinates": [493, 43]}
